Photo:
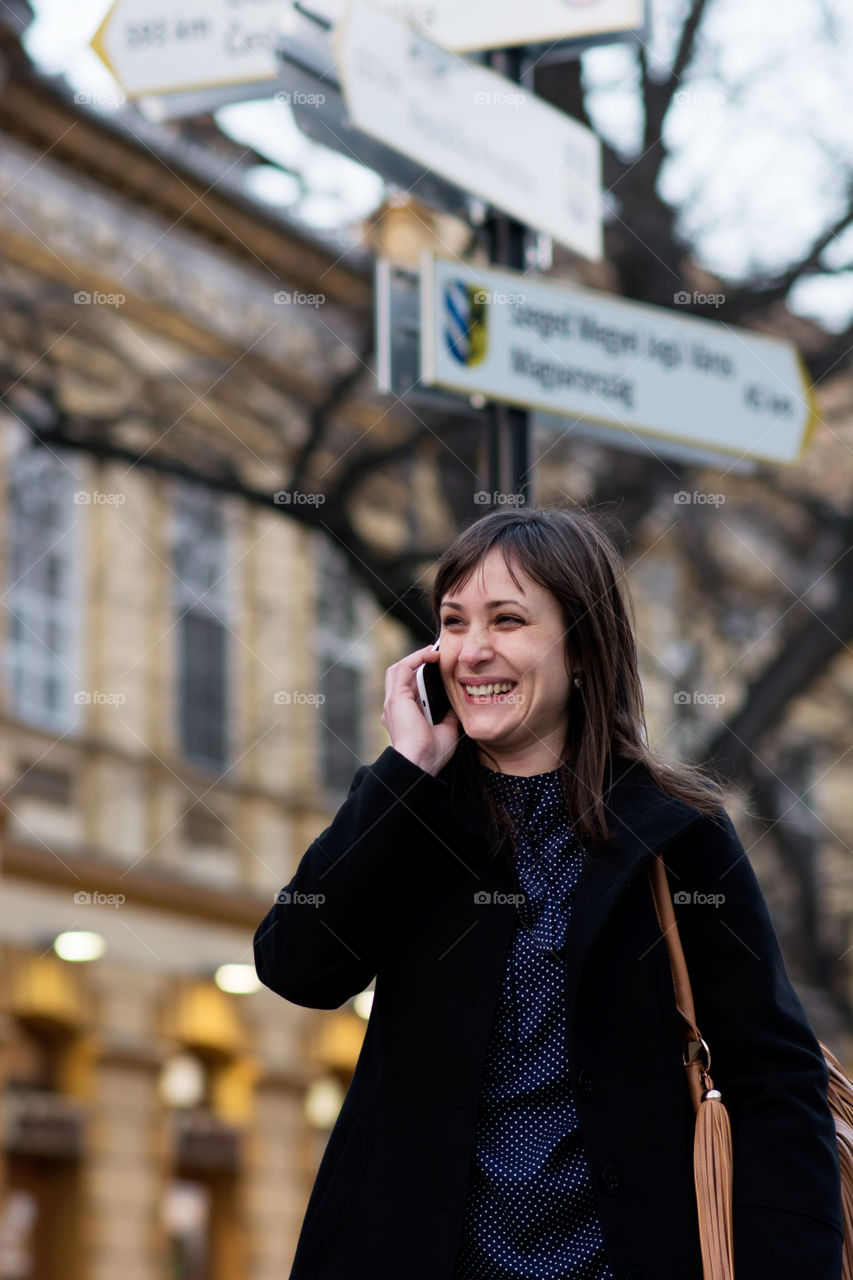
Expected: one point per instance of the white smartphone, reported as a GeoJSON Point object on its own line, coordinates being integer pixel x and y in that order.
{"type": "Point", "coordinates": [432, 694]}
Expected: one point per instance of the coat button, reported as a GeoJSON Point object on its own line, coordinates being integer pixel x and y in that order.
{"type": "Point", "coordinates": [586, 1083]}
{"type": "Point", "coordinates": [610, 1179]}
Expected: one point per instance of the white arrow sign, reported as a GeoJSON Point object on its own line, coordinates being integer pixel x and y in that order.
{"type": "Point", "coordinates": [587, 355]}
{"type": "Point", "coordinates": [495, 24]}
{"type": "Point", "coordinates": [166, 46]}
{"type": "Point", "coordinates": [465, 25]}
{"type": "Point", "coordinates": [472, 127]}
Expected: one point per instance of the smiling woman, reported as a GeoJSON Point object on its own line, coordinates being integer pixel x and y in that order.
{"type": "Point", "coordinates": [535, 1119]}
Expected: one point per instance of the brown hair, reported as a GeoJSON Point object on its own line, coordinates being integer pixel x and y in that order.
{"type": "Point", "coordinates": [567, 551]}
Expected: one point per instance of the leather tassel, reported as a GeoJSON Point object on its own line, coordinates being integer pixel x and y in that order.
{"type": "Point", "coordinates": [712, 1168]}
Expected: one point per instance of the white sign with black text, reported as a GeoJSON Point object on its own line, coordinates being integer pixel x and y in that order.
{"type": "Point", "coordinates": [588, 355]}
{"type": "Point", "coordinates": [167, 46]}
{"type": "Point", "coordinates": [471, 126]}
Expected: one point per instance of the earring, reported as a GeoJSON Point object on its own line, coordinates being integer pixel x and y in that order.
{"type": "Point", "coordinates": [577, 682]}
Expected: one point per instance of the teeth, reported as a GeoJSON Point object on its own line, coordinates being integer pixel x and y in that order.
{"type": "Point", "coordinates": [486, 690]}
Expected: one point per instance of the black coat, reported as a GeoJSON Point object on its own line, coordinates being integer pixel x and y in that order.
{"type": "Point", "coordinates": [403, 873]}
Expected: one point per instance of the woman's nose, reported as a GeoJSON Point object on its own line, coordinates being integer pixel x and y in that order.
{"type": "Point", "coordinates": [476, 647]}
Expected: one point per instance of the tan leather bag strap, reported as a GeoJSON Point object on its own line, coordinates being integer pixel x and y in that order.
{"type": "Point", "coordinates": [697, 1056]}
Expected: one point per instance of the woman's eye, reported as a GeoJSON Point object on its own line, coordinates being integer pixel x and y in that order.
{"type": "Point", "coordinates": [503, 617]}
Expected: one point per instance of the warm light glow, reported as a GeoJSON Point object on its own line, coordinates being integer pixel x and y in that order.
{"type": "Point", "coordinates": [79, 945]}
{"type": "Point", "coordinates": [182, 1081]}
{"type": "Point", "coordinates": [237, 979]}
{"type": "Point", "coordinates": [323, 1101]}
{"type": "Point", "coordinates": [363, 1003]}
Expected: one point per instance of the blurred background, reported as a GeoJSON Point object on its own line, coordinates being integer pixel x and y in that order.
{"type": "Point", "coordinates": [218, 531]}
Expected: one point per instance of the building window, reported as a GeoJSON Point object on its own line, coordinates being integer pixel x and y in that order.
{"type": "Point", "coordinates": [342, 646]}
{"type": "Point", "coordinates": [199, 560]}
{"type": "Point", "coordinates": [42, 590]}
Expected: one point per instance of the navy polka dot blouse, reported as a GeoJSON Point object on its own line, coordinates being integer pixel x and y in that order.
{"type": "Point", "coordinates": [530, 1211]}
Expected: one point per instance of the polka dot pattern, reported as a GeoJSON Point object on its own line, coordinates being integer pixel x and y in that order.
{"type": "Point", "coordinates": [530, 1211]}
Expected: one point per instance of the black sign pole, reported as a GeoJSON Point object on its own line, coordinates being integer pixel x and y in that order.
{"type": "Point", "coordinates": [509, 427]}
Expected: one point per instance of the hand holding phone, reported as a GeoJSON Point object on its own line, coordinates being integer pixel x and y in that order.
{"type": "Point", "coordinates": [432, 694]}
{"type": "Point", "coordinates": [417, 713]}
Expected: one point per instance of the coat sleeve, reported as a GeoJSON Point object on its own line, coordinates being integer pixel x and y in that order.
{"type": "Point", "coordinates": [322, 940]}
{"type": "Point", "coordinates": [765, 1060]}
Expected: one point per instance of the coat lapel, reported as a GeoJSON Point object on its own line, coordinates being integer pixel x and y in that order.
{"type": "Point", "coordinates": [642, 817]}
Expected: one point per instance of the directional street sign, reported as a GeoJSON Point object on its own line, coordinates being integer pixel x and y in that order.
{"type": "Point", "coordinates": [466, 25]}
{"type": "Point", "coordinates": [587, 355]}
{"type": "Point", "coordinates": [473, 127]}
{"type": "Point", "coordinates": [314, 96]}
{"type": "Point", "coordinates": [166, 46]}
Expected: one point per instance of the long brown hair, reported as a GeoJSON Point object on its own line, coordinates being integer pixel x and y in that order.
{"type": "Point", "coordinates": [567, 550]}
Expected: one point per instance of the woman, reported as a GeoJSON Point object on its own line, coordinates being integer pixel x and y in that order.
{"type": "Point", "coordinates": [519, 1107]}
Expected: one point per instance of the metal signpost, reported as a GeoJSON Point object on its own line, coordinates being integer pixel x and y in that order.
{"type": "Point", "coordinates": [639, 368]}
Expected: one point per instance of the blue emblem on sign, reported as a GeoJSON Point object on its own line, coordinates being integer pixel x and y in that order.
{"type": "Point", "coordinates": [465, 321]}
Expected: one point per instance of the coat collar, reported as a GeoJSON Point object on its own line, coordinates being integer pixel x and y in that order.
{"type": "Point", "coordinates": [642, 817]}
{"type": "Point", "coordinates": [640, 814]}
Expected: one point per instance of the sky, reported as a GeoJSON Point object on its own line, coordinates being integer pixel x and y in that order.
{"type": "Point", "coordinates": [761, 134]}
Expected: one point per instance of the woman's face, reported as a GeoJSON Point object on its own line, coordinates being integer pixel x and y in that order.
{"type": "Point", "coordinates": [494, 633]}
